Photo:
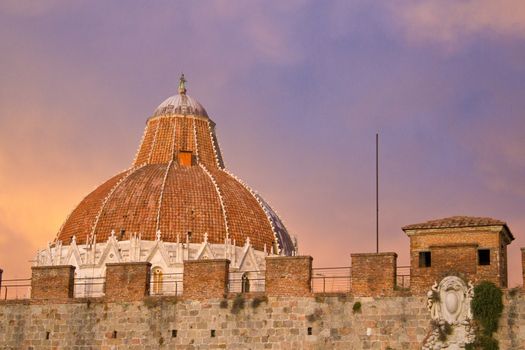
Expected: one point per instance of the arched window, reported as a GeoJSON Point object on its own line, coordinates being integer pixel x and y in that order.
{"type": "Point", "coordinates": [245, 283]}
{"type": "Point", "coordinates": [157, 280]}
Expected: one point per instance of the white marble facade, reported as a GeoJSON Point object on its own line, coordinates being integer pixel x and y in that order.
{"type": "Point", "coordinates": [166, 259]}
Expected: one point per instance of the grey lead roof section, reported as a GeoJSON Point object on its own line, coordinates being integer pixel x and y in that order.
{"type": "Point", "coordinates": [180, 104]}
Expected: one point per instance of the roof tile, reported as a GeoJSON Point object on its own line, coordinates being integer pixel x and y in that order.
{"type": "Point", "coordinates": [456, 221]}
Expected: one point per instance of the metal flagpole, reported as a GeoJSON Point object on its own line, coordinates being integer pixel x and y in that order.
{"type": "Point", "coordinates": [377, 192]}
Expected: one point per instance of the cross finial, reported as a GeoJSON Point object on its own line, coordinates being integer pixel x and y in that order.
{"type": "Point", "coordinates": [182, 85]}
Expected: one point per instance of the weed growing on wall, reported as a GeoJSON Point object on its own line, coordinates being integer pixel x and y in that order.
{"type": "Point", "coordinates": [444, 329]}
{"type": "Point", "coordinates": [315, 316]}
{"type": "Point", "coordinates": [483, 342]}
{"type": "Point", "coordinates": [342, 298]}
{"type": "Point", "coordinates": [151, 302]}
{"type": "Point", "coordinates": [238, 304]}
{"type": "Point", "coordinates": [487, 306]}
{"type": "Point", "coordinates": [257, 301]}
{"type": "Point", "coordinates": [356, 308]}
{"type": "Point", "coordinates": [514, 291]}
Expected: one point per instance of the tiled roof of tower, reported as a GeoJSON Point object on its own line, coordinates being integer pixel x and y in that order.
{"type": "Point", "coordinates": [456, 221]}
{"type": "Point", "coordinates": [160, 192]}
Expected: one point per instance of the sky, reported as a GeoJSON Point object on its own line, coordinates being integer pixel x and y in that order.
{"type": "Point", "coordinates": [298, 90]}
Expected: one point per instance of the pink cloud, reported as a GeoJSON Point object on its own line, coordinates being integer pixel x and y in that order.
{"type": "Point", "coordinates": [450, 22]}
{"type": "Point", "coordinates": [72, 114]}
{"type": "Point", "coordinates": [28, 8]}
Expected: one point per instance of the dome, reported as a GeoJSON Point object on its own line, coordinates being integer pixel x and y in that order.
{"type": "Point", "coordinates": [177, 185]}
{"type": "Point", "coordinates": [181, 104]}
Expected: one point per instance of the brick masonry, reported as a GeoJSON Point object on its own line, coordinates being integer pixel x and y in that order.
{"type": "Point", "coordinates": [454, 250]}
{"type": "Point", "coordinates": [287, 316]}
{"type": "Point", "coordinates": [158, 193]}
{"type": "Point", "coordinates": [288, 275]}
{"type": "Point", "coordinates": [374, 274]}
{"type": "Point", "coordinates": [52, 282]}
{"type": "Point", "coordinates": [464, 263]}
{"type": "Point", "coordinates": [127, 281]}
{"type": "Point", "coordinates": [272, 323]}
{"type": "Point", "coordinates": [205, 279]}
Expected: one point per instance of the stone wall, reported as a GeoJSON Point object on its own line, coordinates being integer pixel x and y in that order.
{"type": "Point", "coordinates": [258, 322]}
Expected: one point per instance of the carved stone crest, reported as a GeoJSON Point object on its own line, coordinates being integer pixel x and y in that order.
{"type": "Point", "coordinates": [449, 305]}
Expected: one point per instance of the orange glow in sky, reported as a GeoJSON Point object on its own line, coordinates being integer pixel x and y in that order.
{"type": "Point", "coordinates": [298, 90]}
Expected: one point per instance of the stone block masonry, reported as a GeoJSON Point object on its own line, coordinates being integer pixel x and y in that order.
{"type": "Point", "coordinates": [127, 281]}
{"type": "Point", "coordinates": [52, 282]}
{"type": "Point", "coordinates": [205, 279]}
{"type": "Point", "coordinates": [286, 316]}
{"type": "Point", "coordinates": [315, 322]}
{"type": "Point", "coordinates": [374, 274]}
{"type": "Point", "coordinates": [288, 275]}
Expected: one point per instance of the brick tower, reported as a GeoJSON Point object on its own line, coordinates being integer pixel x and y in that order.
{"type": "Point", "coordinates": [472, 247]}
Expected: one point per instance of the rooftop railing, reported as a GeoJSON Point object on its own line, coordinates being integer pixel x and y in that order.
{"type": "Point", "coordinates": [403, 277]}
{"type": "Point", "coordinates": [86, 287]}
{"type": "Point", "coordinates": [246, 281]}
{"type": "Point", "coordinates": [166, 284]}
{"type": "Point", "coordinates": [324, 280]}
{"type": "Point", "coordinates": [18, 288]}
{"type": "Point", "coordinates": [332, 279]}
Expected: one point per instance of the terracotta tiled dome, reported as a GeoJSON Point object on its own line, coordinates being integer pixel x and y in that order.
{"type": "Point", "coordinates": [177, 184]}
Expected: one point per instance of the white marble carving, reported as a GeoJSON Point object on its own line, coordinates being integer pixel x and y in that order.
{"type": "Point", "coordinates": [165, 257]}
{"type": "Point", "coordinates": [449, 305]}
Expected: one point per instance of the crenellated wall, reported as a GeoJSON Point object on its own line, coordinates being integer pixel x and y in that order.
{"type": "Point", "coordinates": [52, 282]}
{"type": "Point", "coordinates": [288, 275]}
{"type": "Point", "coordinates": [375, 315]}
{"type": "Point", "coordinates": [127, 281]}
{"type": "Point", "coordinates": [374, 274]}
{"type": "Point", "coordinates": [259, 323]}
{"type": "Point", "coordinates": [204, 279]}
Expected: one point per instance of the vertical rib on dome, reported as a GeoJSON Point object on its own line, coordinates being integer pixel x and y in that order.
{"type": "Point", "coordinates": [108, 197]}
{"type": "Point", "coordinates": [221, 198]}
{"type": "Point", "coordinates": [167, 136]}
{"type": "Point", "coordinates": [157, 227]}
{"type": "Point", "coordinates": [178, 184]}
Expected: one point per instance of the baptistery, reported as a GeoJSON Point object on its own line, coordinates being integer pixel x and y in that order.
{"type": "Point", "coordinates": [176, 202]}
